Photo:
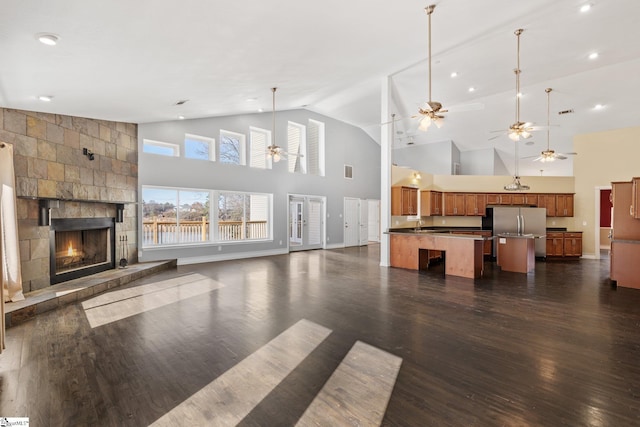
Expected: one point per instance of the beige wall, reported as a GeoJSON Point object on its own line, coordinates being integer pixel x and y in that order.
{"type": "Point", "coordinates": [602, 157]}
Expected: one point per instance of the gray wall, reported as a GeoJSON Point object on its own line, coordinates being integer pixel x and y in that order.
{"type": "Point", "coordinates": [434, 158]}
{"type": "Point", "coordinates": [478, 162]}
{"type": "Point", "coordinates": [344, 144]}
{"type": "Point", "coordinates": [499, 168]}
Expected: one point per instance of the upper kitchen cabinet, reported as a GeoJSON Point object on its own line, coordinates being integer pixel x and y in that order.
{"type": "Point", "coordinates": [625, 226]}
{"type": "Point", "coordinates": [404, 201]}
{"type": "Point", "coordinates": [475, 204]}
{"type": "Point", "coordinates": [548, 201]}
{"type": "Point", "coordinates": [531, 200]}
{"type": "Point", "coordinates": [454, 204]}
{"type": "Point", "coordinates": [499, 199]}
{"type": "Point", "coordinates": [564, 205]}
{"type": "Point", "coordinates": [635, 198]}
{"type": "Point", "coordinates": [430, 203]}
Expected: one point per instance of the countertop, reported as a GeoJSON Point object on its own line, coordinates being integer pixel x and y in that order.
{"type": "Point", "coordinates": [448, 233]}
{"type": "Point", "coordinates": [634, 242]}
{"type": "Point", "coordinates": [521, 236]}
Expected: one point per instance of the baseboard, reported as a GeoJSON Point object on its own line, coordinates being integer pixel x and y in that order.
{"type": "Point", "coordinates": [334, 246]}
{"type": "Point", "coordinates": [230, 256]}
{"type": "Point", "coordinates": [588, 256]}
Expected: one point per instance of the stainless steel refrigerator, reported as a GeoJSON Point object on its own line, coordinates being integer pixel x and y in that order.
{"type": "Point", "coordinates": [521, 220]}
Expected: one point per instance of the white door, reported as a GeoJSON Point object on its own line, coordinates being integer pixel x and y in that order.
{"type": "Point", "coordinates": [374, 220]}
{"type": "Point", "coordinates": [306, 222]}
{"type": "Point", "coordinates": [351, 222]}
{"type": "Point", "coordinates": [363, 206]}
{"type": "Point", "coordinates": [295, 221]}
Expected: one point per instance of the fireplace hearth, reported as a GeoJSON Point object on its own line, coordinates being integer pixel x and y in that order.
{"type": "Point", "coordinates": [80, 247]}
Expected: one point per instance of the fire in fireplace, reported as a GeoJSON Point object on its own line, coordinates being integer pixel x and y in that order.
{"type": "Point", "coordinates": [80, 247]}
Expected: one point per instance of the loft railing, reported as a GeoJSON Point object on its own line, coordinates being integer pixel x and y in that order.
{"type": "Point", "coordinates": [162, 232]}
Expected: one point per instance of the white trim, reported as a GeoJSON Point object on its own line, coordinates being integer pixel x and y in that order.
{"type": "Point", "coordinates": [229, 257]}
{"type": "Point", "coordinates": [335, 246]}
{"type": "Point", "coordinates": [590, 256]}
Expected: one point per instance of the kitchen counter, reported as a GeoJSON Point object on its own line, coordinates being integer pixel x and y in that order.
{"type": "Point", "coordinates": [463, 253]}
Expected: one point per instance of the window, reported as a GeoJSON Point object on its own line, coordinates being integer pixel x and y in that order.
{"type": "Point", "coordinates": [315, 148]}
{"type": "Point", "coordinates": [243, 216]}
{"type": "Point", "coordinates": [232, 148]}
{"type": "Point", "coordinates": [173, 216]}
{"type": "Point", "coordinates": [295, 147]}
{"type": "Point", "coordinates": [259, 139]}
{"type": "Point", "coordinates": [199, 147]}
{"type": "Point", "coordinates": [161, 148]}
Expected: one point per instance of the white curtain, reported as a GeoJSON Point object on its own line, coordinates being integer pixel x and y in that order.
{"type": "Point", "coordinates": [9, 247]}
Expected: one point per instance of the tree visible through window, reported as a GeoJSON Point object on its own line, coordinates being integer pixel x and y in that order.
{"type": "Point", "coordinates": [199, 147]}
{"type": "Point", "coordinates": [232, 148]}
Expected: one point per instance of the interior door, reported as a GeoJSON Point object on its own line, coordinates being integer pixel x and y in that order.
{"type": "Point", "coordinates": [306, 225]}
{"type": "Point", "coordinates": [351, 222]}
{"type": "Point", "coordinates": [363, 207]}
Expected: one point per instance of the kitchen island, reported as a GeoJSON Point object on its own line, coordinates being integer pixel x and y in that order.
{"type": "Point", "coordinates": [517, 252]}
{"type": "Point", "coordinates": [463, 253]}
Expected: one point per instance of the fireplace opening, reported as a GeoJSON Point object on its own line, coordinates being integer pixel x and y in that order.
{"type": "Point", "coordinates": [81, 247]}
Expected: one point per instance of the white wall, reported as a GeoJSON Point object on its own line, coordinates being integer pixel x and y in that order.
{"type": "Point", "coordinates": [435, 158]}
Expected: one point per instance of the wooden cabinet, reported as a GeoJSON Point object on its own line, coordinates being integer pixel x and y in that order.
{"type": "Point", "coordinates": [487, 248]}
{"type": "Point", "coordinates": [564, 205]}
{"type": "Point", "coordinates": [430, 203]}
{"type": "Point", "coordinates": [499, 199]}
{"type": "Point", "coordinates": [555, 244]}
{"type": "Point", "coordinates": [573, 244]}
{"type": "Point", "coordinates": [547, 201]}
{"type": "Point", "coordinates": [404, 201]}
{"type": "Point", "coordinates": [531, 200]}
{"type": "Point", "coordinates": [475, 204]}
{"type": "Point", "coordinates": [517, 199]}
{"type": "Point", "coordinates": [635, 198]}
{"type": "Point", "coordinates": [625, 269]}
{"type": "Point", "coordinates": [454, 204]}
{"type": "Point", "coordinates": [564, 244]}
{"type": "Point", "coordinates": [625, 226]}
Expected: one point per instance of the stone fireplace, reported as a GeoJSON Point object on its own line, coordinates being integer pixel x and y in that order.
{"type": "Point", "coordinates": [80, 247]}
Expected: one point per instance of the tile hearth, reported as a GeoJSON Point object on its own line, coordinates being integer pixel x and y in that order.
{"type": "Point", "coordinates": [72, 291]}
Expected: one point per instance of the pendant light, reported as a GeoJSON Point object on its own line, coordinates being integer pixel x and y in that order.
{"type": "Point", "coordinates": [432, 110]}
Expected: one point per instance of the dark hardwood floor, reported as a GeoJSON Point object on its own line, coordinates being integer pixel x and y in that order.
{"type": "Point", "coordinates": [557, 347]}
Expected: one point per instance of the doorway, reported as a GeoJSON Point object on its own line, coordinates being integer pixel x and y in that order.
{"type": "Point", "coordinates": [306, 222]}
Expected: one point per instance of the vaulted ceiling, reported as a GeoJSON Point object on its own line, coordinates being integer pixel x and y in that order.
{"type": "Point", "coordinates": [133, 60]}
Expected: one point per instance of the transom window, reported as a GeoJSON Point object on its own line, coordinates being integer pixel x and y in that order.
{"type": "Point", "coordinates": [199, 147]}
{"type": "Point", "coordinates": [259, 140]}
{"type": "Point", "coordinates": [161, 148]}
{"type": "Point", "coordinates": [296, 147]}
{"type": "Point", "coordinates": [232, 148]}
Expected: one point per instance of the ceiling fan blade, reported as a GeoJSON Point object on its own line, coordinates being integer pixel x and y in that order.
{"type": "Point", "coordinates": [560, 156]}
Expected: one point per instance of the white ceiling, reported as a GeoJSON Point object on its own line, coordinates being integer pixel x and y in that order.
{"type": "Point", "coordinates": [132, 60]}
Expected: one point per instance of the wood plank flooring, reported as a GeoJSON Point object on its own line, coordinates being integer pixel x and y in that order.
{"type": "Point", "coordinates": [560, 346]}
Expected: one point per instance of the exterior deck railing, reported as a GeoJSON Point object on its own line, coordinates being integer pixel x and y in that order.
{"type": "Point", "coordinates": [159, 232]}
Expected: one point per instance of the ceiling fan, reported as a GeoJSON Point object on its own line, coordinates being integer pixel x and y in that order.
{"type": "Point", "coordinates": [550, 155]}
{"type": "Point", "coordinates": [274, 151]}
{"type": "Point", "coordinates": [432, 110]}
{"type": "Point", "coordinates": [519, 129]}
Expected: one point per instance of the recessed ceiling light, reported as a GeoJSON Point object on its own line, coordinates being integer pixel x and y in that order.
{"type": "Point", "coordinates": [45, 98]}
{"type": "Point", "coordinates": [472, 89]}
{"type": "Point", "coordinates": [454, 74]}
{"type": "Point", "coordinates": [252, 99]}
{"type": "Point", "coordinates": [585, 8]}
{"type": "Point", "coordinates": [519, 94]}
{"type": "Point", "coordinates": [260, 110]}
{"type": "Point", "coordinates": [48, 39]}
{"type": "Point", "coordinates": [598, 107]}
{"type": "Point", "coordinates": [180, 117]}
{"type": "Point", "coordinates": [593, 55]}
